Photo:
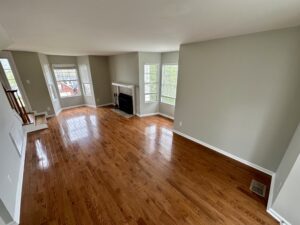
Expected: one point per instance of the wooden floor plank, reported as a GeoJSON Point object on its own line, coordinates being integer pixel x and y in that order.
{"type": "Point", "coordinates": [93, 166]}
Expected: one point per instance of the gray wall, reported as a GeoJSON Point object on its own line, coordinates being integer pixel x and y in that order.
{"type": "Point", "coordinates": [101, 79]}
{"type": "Point", "coordinates": [241, 94]}
{"type": "Point", "coordinates": [86, 78]}
{"type": "Point", "coordinates": [50, 82]}
{"type": "Point", "coordinates": [147, 58]}
{"type": "Point", "coordinates": [29, 69]}
{"type": "Point", "coordinates": [68, 101]}
{"type": "Point", "coordinates": [125, 69]}
{"type": "Point", "coordinates": [287, 163]}
{"type": "Point", "coordinates": [10, 160]}
{"type": "Point", "coordinates": [168, 58]}
{"type": "Point", "coordinates": [287, 202]}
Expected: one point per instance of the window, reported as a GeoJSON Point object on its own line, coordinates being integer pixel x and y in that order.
{"type": "Point", "coordinates": [10, 77]}
{"type": "Point", "coordinates": [67, 82]}
{"type": "Point", "coordinates": [169, 84]}
{"type": "Point", "coordinates": [151, 82]}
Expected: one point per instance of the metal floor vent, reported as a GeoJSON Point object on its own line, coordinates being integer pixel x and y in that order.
{"type": "Point", "coordinates": [258, 188]}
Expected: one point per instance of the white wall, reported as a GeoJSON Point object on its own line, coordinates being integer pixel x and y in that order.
{"type": "Point", "coordinates": [168, 58]}
{"type": "Point", "coordinates": [125, 69]}
{"type": "Point", "coordinates": [50, 82]}
{"type": "Point", "coordinates": [11, 163]}
{"type": "Point", "coordinates": [147, 58]}
{"type": "Point", "coordinates": [241, 94]}
{"type": "Point", "coordinates": [287, 202]}
{"type": "Point", "coordinates": [85, 77]}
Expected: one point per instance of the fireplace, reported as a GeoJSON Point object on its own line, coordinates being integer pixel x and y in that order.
{"type": "Point", "coordinates": [125, 103]}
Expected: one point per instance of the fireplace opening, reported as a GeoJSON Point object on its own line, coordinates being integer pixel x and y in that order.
{"type": "Point", "coordinates": [125, 103]}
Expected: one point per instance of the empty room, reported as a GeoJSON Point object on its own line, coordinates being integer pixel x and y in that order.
{"type": "Point", "coordinates": [153, 112]}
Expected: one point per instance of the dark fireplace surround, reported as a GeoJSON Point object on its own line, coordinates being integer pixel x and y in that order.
{"type": "Point", "coordinates": [125, 103]}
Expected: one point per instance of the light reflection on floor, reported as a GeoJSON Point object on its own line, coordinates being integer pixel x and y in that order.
{"type": "Point", "coordinates": [166, 142]}
{"type": "Point", "coordinates": [41, 154]}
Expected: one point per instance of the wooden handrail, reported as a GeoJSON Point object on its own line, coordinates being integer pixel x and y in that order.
{"type": "Point", "coordinates": [17, 104]}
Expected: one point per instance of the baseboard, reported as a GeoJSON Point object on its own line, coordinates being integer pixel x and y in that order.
{"type": "Point", "coordinates": [20, 182]}
{"type": "Point", "coordinates": [167, 116]}
{"type": "Point", "coordinates": [253, 165]}
{"type": "Point", "coordinates": [147, 114]}
{"type": "Point", "coordinates": [107, 104]}
{"type": "Point", "coordinates": [155, 114]}
{"type": "Point", "coordinates": [92, 106]}
{"type": "Point", "coordinates": [72, 107]}
{"type": "Point", "coordinates": [279, 218]}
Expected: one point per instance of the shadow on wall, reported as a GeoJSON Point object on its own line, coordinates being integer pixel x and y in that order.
{"type": "Point", "coordinates": [5, 218]}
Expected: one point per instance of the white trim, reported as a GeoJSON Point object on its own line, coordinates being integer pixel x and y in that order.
{"type": "Point", "coordinates": [223, 152]}
{"type": "Point", "coordinates": [167, 116]}
{"type": "Point", "coordinates": [270, 200]}
{"type": "Point", "coordinates": [88, 105]}
{"type": "Point", "coordinates": [279, 218]}
{"type": "Point", "coordinates": [72, 107]}
{"type": "Point", "coordinates": [107, 104]}
{"type": "Point", "coordinates": [20, 181]}
{"type": "Point", "coordinates": [147, 114]}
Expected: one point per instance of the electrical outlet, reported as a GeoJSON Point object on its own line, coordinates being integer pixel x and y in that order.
{"type": "Point", "coordinates": [180, 123]}
{"type": "Point", "coordinates": [28, 81]}
{"type": "Point", "coordinates": [48, 108]}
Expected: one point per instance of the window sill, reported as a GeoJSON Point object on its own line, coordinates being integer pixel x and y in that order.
{"type": "Point", "coordinates": [167, 104]}
{"type": "Point", "coordinates": [74, 96]}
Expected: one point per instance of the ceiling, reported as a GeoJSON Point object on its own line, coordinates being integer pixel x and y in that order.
{"type": "Point", "coordinates": [103, 27]}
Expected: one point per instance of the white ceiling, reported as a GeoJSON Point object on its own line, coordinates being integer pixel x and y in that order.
{"type": "Point", "coordinates": [78, 27]}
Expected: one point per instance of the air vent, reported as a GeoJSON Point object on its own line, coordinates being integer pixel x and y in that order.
{"type": "Point", "coordinates": [258, 188]}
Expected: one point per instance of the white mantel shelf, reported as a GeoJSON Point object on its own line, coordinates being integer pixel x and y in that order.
{"type": "Point", "coordinates": [123, 85]}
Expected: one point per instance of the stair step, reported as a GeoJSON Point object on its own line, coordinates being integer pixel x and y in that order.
{"type": "Point", "coordinates": [31, 117]}
{"type": "Point", "coordinates": [40, 119]}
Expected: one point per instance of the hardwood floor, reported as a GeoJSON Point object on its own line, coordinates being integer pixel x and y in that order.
{"type": "Point", "coordinates": [94, 167]}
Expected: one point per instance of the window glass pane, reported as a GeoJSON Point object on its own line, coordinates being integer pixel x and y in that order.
{"type": "Point", "coordinates": [10, 77]}
{"type": "Point", "coordinates": [151, 97]}
{"type": "Point", "coordinates": [67, 82]}
{"type": "Point", "coordinates": [151, 88]}
{"type": "Point", "coordinates": [168, 100]}
{"type": "Point", "coordinates": [151, 82]}
{"type": "Point", "coordinates": [169, 83]}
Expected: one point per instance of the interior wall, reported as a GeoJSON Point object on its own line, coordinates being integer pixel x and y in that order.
{"type": "Point", "coordinates": [124, 68]}
{"type": "Point", "coordinates": [287, 202]}
{"type": "Point", "coordinates": [71, 60]}
{"type": "Point", "coordinates": [101, 79]}
{"type": "Point", "coordinates": [10, 159]}
{"type": "Point", "coordinates": [147, 58]}
{"type": "Point", "coordinates": [86, 78]}
{"type": "Point", "coordinates": [287, 163]}
{"type": "Point", "coordinates": [168, 58]}
{"type": "Point", "coordinates": [32, 77]}
{"type": "Point", "coordinates": [50, 82]}
{"type": "Point", "coordinates": [241, 94]}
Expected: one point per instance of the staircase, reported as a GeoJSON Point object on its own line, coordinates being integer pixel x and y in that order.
{"type": "Point", "coordinates": [31, 121]}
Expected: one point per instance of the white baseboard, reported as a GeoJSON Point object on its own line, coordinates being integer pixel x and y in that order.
{"type": "Point", "coordinates": [155, 114]}
{"type": "Point", "coordinates": [107, 104]}
{"type": "Point", "coordinates": [147, 114]}
{"type": "Point", "coordinates": [91, 106]}
{"type": "Point", "coordinates": [167, 116]}
{"type": "Point", "coordinates": [223, 152]}
{"type": "Point", "coordinates": [72, 107]}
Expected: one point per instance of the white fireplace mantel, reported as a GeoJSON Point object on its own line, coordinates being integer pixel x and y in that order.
{"type": "Point", "coordinates": [129, 86]}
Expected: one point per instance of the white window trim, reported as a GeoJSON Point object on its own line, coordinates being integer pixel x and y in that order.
{"type": "Point", "coordinates": [167, 64]}
{"type": "Point", "coordinates": [66, 66]}
{"type": "Point", "coordinates": [157, 83]}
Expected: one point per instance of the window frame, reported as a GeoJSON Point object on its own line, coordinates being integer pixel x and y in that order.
{"type": "Point", "coordinates": [66, 67]}
{"type": "Point", "coordinates": [161, 83]}
{"type": "Point", "coordinates": [157, 83]}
